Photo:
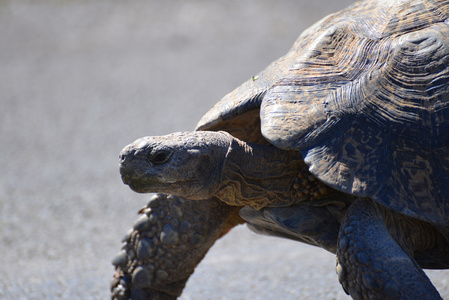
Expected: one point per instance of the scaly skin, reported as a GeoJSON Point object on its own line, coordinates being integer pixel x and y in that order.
{"type": "Point", "coordinates": [316, 223]}
{"type": "Point", "coordinates": [199, 165]}
{"type": "Point", "coordinates": [371, 264]}
{"type": "Point", "coordinates": [165, 245]}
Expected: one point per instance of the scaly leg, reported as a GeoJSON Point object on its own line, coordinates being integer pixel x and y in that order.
{"type": "Point", "coordinates": [165, 245]}
{"type": "Point", "coordinates": [371, 264]}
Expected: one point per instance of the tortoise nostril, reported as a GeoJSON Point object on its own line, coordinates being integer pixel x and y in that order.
{"type": "Point", "coordinates": [124, 156]}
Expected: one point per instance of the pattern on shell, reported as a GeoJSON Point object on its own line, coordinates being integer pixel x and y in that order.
{"type": "Point", "coordinates": [363, 94]}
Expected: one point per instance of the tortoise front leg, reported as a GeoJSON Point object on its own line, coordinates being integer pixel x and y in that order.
{"type": "Point", "coordinates": [371, 264]}
{"type": "Point", "coordinates": [165, 245]}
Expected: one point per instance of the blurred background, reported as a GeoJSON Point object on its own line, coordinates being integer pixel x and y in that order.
{"type": "Point", "coordinates": [81, 79]}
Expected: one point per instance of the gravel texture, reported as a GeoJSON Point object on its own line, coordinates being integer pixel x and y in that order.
{"type": "Point", "coordinates": [81, 79]}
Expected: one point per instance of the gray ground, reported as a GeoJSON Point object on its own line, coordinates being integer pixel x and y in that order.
{"type": "Point", "coordinates": [81, 79]}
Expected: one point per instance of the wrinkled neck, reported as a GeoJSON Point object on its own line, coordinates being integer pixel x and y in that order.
{"type": "Point", "coordinates": [259, 175]}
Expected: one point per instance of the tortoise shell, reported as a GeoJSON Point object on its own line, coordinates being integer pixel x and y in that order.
{"type": "Point", "coordinates": [364, 95]}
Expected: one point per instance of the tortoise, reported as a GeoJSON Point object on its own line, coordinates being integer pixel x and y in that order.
{"type": "Point", "coordinates": [343, 143]}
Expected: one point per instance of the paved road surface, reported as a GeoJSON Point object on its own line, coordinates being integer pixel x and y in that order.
{"type": "Point", "coordinates": [81, 79]}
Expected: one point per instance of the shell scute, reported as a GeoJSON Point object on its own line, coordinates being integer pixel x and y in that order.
{"type": "Point", "coordinates": [369, 110]}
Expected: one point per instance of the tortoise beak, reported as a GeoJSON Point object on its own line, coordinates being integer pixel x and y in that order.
{"type": "Point", "coordinates": [126, 178]}
{"type": "Point", "coordinates": [134, 170]}
{"type": "Point", "coordinates": [126, 171]}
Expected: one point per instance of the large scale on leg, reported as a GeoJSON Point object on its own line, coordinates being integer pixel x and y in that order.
{"type": "Point", "coordinates": [349, 130]}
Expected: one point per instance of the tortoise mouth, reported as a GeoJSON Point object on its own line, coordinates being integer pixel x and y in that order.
{"type": "Point", "coordinates": [140, 188]}
{"type": "Point", "coordinates": [136, 179]}
{"type": "Point", "coordinates": [136, 185]}
{"type": "Point", "coordinates": [146, 184]}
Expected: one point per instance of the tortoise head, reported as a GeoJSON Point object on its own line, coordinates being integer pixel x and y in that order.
{"type": "Point", "coordinates": [186, 163]}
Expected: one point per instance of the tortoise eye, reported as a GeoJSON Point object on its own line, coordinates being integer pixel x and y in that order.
{"type": "Point", "coordinates": [160, 157]}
